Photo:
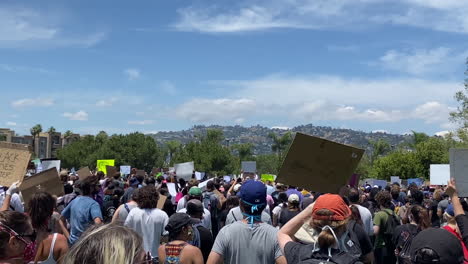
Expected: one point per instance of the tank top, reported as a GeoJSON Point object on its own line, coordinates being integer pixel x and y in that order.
{"type": "Point", "coordinates": [50, 259]}
{"type": "Point", "coordinates": [173, 253]}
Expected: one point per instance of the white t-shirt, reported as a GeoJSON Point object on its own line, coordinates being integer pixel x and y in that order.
{"type": "Point", "coordinates": [150, 224]}
{"type": "Point", "coordinates": [206, 222]}
{"type": "Point", "coordinates": [15, 202]}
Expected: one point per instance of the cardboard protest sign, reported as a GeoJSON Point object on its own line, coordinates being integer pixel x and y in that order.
{"type": "Point", "coordinates": [125, 169]}
{"type": "Point", "coordinates": [101, 165]}
{"type": "Point", "coordinates": [439, 174]}
{"type": "Point", "coordinates": [318, 164]}
{"type": "Point", "coordinates": [354, 180]}
{"type": "Point", "coordinates": [47, 164]}
{"type": "Point", "coordinates": [184, 170]}
{"type": "Point", "coordinates": [459, 169]}
{"type": "Point", "coordinates": [14, 160]}
{"type": "Point", "coordinates": [249, 166]}
{"type": "Point", "coordinates": [47, 181]}
{"type": "Point", "coordinates": [267, 177]}
{"type": "Point", "coordinates": [395, 179]}
{"type": "Point", "coordinates": [141, 173]}
{"type": "Point", "coordinates": [84, 173]}
{"type": "Point", "coordinates": [161, 201]}
{"type": "Point", "coordinates": [111, 171]}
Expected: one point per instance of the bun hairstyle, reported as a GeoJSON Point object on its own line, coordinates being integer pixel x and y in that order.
{"type": "Point", "coordinates": [19, 222]}
{"type": "Point", "coordinates": [326, 238]}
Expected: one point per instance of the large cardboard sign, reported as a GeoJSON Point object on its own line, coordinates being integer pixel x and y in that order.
{"type": "Point", "coordinates": [439, 174]}
{"type": "Point", "coordinates": [318, 164]}
{"type": "Point", "coordinates": [161, 201]}
{"type": "Point", "coordinates": [14, 160]}
{"type": "Point", "coordinates": [47, 181]}
{"type": "Point", "coordinates": [249, 166]}
{"type": "Point", "coordinates": [459, 169]}
{"type": "Point", "coordinates": [111, 171]}
{"type": "Point", "coordinates": [101, 165]}
{"type": "Point", "coordinates": [47, 164]}
{"type": "Point", "coordinates": [184, 170]}
{"type": "Point", "coordinates": [141, 173]}
{"type": "Point", "coordinates": [84, 173]}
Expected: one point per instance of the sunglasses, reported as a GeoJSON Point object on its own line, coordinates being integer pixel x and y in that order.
{"type": "Point", "coordinates": [31, 237]}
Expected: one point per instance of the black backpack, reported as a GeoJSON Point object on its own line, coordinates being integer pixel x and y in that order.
{"type": "Point", "coordinates": [338, 257]}
{"type": "Point", "coordinates": [388, 230]}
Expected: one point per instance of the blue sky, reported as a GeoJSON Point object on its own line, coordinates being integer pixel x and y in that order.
{"type": "Point", "coordinates": [148, 66]}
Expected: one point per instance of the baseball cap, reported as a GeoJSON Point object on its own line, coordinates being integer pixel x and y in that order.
{"type": "Point", "coordinates": [450, 211]}
{"type": "Point", "coordinates": [442, 242]}
{"type": "Point", "coordinates": [195, 191]}
{"type": "Point", "coordinates": [179, 220]}
{"type": "Point", "coordinates": [335, 204]}
{"type": "Point", "coordinates": [293, 198]}
{"type": "Point", "coordinates": [134, 182]}
{"type": "Point", "coordinates": [194, 206]}
{"type": "Point", "coordinates": [253, 192]}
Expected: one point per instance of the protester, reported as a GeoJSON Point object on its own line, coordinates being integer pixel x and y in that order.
{"type": "Point", "coordinates": [249, 240]}
{"type": "Point", "coordinates": [147, 220]}
{"type": "Point", "coordinates": [51, 244]}
{"type": "Point", "coordinates": [111, 202]}
{"type": "Point", "coordinates": [276, 212]}
{"type": "Point", "coordinates": [178, 250]}
{"type": "Point", "coordinates": [17, 238]}
{"type": "Point", "coordinates": [404, 234]}
{"type": "Point", "coordinates": [328, 217]}
{"type": "Point", "coordinates": [168, 207]}
{"type": "Point", "coordinates": [364, 213]}
{"type": "Point", "coordinates": [203, 238]}
{"type": "Point", "coordinates": [107, 244]}
{"type": "Point", "coordinates": [133, 185]}
{"type": "Point", "coordinates": [196, 193]}
{"type": "Point", "coordinates": [9, 198]}
{"type": "Point", "coordinates": [231, 202]}
{"type": "Point", "coordinates": [83, 211]}
{"type": "Point", "coordinates": [460, 217]}
{"type": "Point", "coordinates": [120, 215]}
{"type": "Point", "coordinates": [290, 211]}
{"type": "Point", "coordinates": [436, 245]}
{"type": "Point", "coordinates": [452, 227]}
{"type": "Point", "coordinates": [212, 203]}
{"type": "Point", "coordinates": [384, 247]}
{"type": "Point", "coordinates": [442, 206]}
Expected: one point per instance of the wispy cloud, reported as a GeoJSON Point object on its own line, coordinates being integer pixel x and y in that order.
{"type": "Point", "coordinates": [216, 110]}
{"type": "Point", "coordinates": [132, 73]}
{"type": "Point", "coordinates": [32, 102]}
{"type": "Point", "coordinates": [107, 102]}
{"type": "Point", "coordinates": [9, 123]}
{"type": "Point", "coordinates": [256, 15]}
{"type": "Point", "coordinates": [141, 122]}
{"type": "Point", "coordinates": [18, 69]}
{"type": "Point", "coordinates": [168, 88]}
{"type": "Point", "coordinates": [80, 115]}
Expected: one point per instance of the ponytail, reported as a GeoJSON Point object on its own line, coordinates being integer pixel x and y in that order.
{"type": "Point", "coordinates": [326, 239]}
{"type": "Point", "coordinates": [420, 216]}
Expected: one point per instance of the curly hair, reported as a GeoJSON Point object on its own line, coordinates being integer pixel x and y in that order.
{"type": "Point", "coordinates": [147, 197]}
{"type": "Point", "coordinates": [384, 199]}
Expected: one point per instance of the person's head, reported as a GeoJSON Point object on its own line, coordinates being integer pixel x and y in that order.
{"type": "Point", "coordinates": [438, 194]}
{"type": "Point", "coordinates": [107, 244]}
{"type": "Point", "coordinates": [231, 202]}
{"type": "Point", "coordinates": [417, 196]}
{"type": "Point", "coordinates": [353, 195]}
{"type": "Point", "coordinates": [420, 216]}
{"type": "Point", "coordinates": [89, 186]}
{"type": "Point", "coordinates": [329, 212]}
{"type": "Point", "coordinates": [16, 236]}
{"type": "Point", "coordinates": [150, 181]}
{"type": "Point", "coordinates": [147, 197]}
{"type": "Point", "coordinates": [282, 197]}
{"type": "Point", "coordinates": [395, 192]}
{"type": "Point", "coordinates": [140, 178]}
{"type": "Point", "coordinates": [373, 192]}
{"type": "Point", "coordinates": [195, 209]}
{"type": "Point", "coordinates": [449, 215]}
{"type": "Point", "coordinates": [436, 245]}
{"type": "Point", "coordinates": [182, 183]}
{"type": "Point", "coordinates": [180, 227]}
{"type": "Point", "coordinates": [195, 193]}
{"type": "Point", "coordinates": [160, 179]}
{"type": "Point", "coordinates": [253, 197]}
{"type": "Point", "coordinates": [210, 186]}
{"type": "Point", "coordinates": [100, 175]}
{"type": "Point", "coordinates": [67, 189]}
{"type": "Point", "coordinates": [293, 201]}
{"type": "Point", "coordinates": [116, 176]}
{"type": "Point", "coordinates": [40, 209]}
{"type": "Point", "coordinates": [384, 199]}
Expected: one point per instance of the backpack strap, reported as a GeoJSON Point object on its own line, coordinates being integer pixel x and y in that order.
{"type": "Point", "coordinates": [126, 208]}
{"type": "Point", "coordinates": [232, 213]}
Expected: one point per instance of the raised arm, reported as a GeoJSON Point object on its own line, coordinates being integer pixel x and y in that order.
{"type": "Point", "coordinates": [286, 233]}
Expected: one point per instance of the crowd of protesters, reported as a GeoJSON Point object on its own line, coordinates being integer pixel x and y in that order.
{"type": "Point", "coordinates": [134, 219]}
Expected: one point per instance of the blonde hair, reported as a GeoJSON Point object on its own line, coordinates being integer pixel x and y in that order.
{"type": "Point", "coordinates": [106, 244]}
{"type": "Point", "coordinates": [450, 219]}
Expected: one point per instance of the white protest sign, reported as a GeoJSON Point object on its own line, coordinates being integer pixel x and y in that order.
{"type": "Point", "coordinates": [202, 185]}
{"type": "Point", "coordinates": [172, 189]}
{"type": "Point", "coordinates": [227, 178]}
{"type": "Point", "coordinates": [459, 169]}
{"type": "Point", "coordinates": [47, 164]}
{"type": "Point", "coordinates": [440, 174]}
{"type": "Point", "coordinates": [198, 175]}
{"type": "Point", "coordinates": [395, 179]}
{"type": "Point", "coordinates": [184, 170]}
{"type": "Point", "coordinates": [125, 170]}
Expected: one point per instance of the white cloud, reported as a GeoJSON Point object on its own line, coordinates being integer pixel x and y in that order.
{"type": "Point", "coordinates": [422, 61]}
{"type": "Point", "coordinates": [216, 110]}
{"type": "Point", "coordinates": [17, 69]}
{"type": "Point", "coordinates": [107, 102]}
{"type": "Point", "coordinates": [80, 115]}
{"type": "Point", "coordinates": [32, 102]}
{"type": "Point", "coordinates": [27, 27]}
{"type": "Point", "coordinates": [255, 15]}
{"type": "Point", "coordinates": [433, 112]}
{"type": "Point", "coordinates": [9, 123]}
{"type": "Point", "coordinates": [141, 122]}
{"type": "Point", "coordinates": [168, 87]}
{"type": "Point", "coordinates": [132, 73]}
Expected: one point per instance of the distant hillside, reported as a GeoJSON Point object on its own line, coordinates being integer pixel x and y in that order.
{"type": "Point", "coordinates": [258, 135]}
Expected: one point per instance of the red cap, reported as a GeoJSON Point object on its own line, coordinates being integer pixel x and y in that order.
{"type": "Point", "coordinates": [334, 203]}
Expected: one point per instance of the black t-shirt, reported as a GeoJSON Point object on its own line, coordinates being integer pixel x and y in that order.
{"type": "Point", "coordinates": [435, 220]}
{"type": "Point", "coordinates": [362, 236]}
{"type": "Point", "coordinates": [206, 241]}
{"type": "Point", "coordinates": [287, 215]}
{"type": "Point", "coordinates": [223, 216]}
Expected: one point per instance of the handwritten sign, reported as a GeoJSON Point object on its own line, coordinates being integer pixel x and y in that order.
{"type": "Point", "coordinates": [268, 177]}
{"type": "Point", "coordinates": [84, 173]}
{"type": "Point", "coordinates": [101, 165]}
{"type": "Point", "coordinates": [47, 181]}
{"type": "Point", "coordinates": [14, 160]}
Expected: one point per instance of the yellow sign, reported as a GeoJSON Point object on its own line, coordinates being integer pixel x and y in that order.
{"type": "Point", "coordinates": [101, 165]}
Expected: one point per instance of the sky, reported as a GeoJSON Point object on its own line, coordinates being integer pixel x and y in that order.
{"type": "Point", "coordinates": [161, 65]}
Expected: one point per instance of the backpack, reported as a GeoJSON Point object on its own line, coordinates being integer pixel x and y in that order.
{"type": "Point", "coordinates": [388, 230]}
{"type": "Point", "coordinates": [210, 203]}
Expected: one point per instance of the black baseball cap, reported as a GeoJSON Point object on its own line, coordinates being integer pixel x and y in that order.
{"type": "Point", "coordinates": [446, 246]}
{"type": "Point", "coordinates": [179, 220]}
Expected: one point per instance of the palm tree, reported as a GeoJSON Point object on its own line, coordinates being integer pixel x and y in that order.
{"type": "Point", "coordinates": [51, 130]}
{"type": "Point", "coordinates": [280, 144]}
{"type": "Point", "coordinates": [35, 131]}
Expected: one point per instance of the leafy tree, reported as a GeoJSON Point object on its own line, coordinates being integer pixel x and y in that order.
{"type": "Point", "coordinates": [172, 147]}
{"type": "Point", "coordinates": [379, 148]}
{"type": "Point", "coordinates": [267, 163]}
{"type": "Point", "coordinates": [244, 151]}
{"type": "Point", "coordinates": [3, 137]}
{"type": "Point", "coordinates": [51, 130]}
{"type": "Point", "coordinates": [398, 163]}
{"type": "Point", "coordinates": [280, 145]}
{"type": "Point", "coordinates": [461, 114]}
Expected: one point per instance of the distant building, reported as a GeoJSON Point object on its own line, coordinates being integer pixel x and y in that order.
{"type": "Point", "coordinates": [45, 145]}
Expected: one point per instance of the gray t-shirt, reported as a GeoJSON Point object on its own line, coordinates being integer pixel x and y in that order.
{"type": "Point", "coordinates": [125, 210]}
{"type": "Point", "coordinates": [235, 214]}
{"type": "Point", "coordinates": [241, 243]}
